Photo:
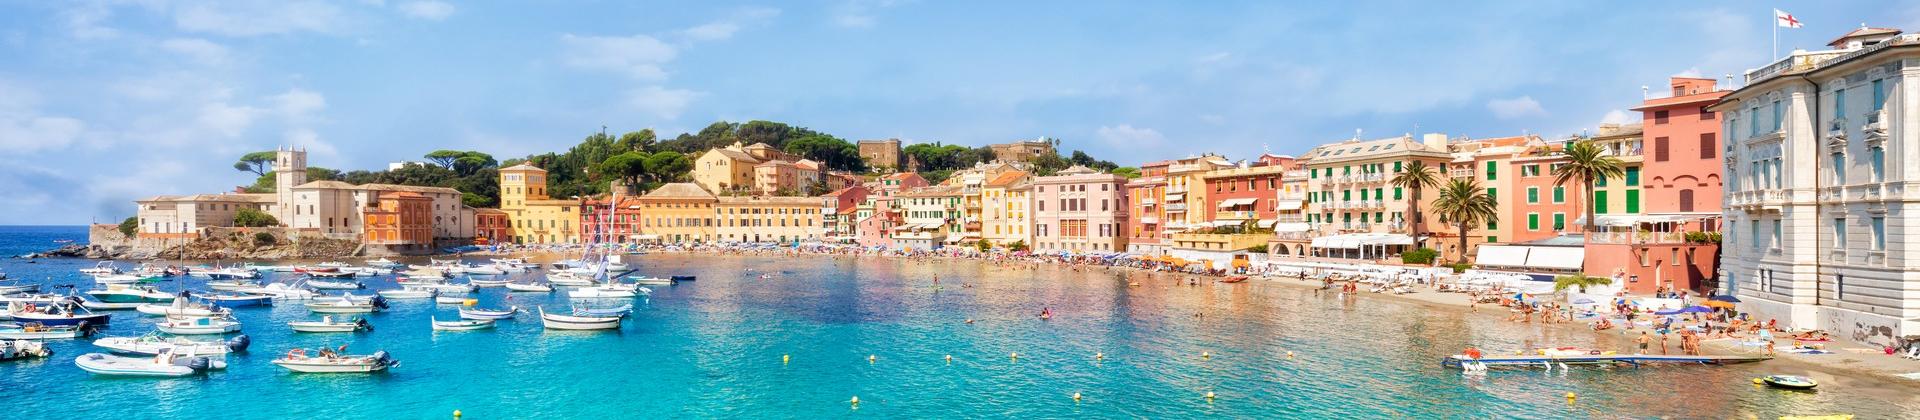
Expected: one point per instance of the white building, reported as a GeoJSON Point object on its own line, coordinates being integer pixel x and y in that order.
{"type": "Point", "coordinates": [332, 208]}
{"type": "Point", "coordinates": [1816, 208]}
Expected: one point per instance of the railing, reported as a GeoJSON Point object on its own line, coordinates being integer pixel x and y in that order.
{"type": "Point", "coordinates": [1875, 128]}
{"type": "Point", "coordinates": [1238, 215]}
{"type": "Point", "coordinates": [1177, 207]}
{"type": "Point", "coordinates": [1796, 61]}
{"type": "Point", "coordinates": [1637, 238]}
{"type": "Point", "coordinates": [1294, 174]}
{"type": "Point", "coordinates": [1460, 173]}
{"type": "Point", "coordinates": [1147, 202]}
{"type": "Point", "coordinates": [1291, 219]}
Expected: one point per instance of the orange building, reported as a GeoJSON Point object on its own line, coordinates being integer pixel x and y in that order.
{"type": "Point", "coordinates": [399, 218]}
{"type": "Point", "coordinates": [490, 227]}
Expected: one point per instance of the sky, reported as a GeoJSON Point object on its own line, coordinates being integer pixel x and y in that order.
{"type": "Point", "coordinates": [103, 102]}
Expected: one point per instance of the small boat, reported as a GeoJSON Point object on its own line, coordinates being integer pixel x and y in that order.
{"type": "Point", "coordinates": [1234, 279]}
{"type": "Point", "coordinates": [347, 304]}
{"type": "Point", "coordinates": [683, 278]}
{"type": "Point", "coordinates": [33, 298]}
{"type": "Point", "coordinates": [199, 325]}
{"type": "Point", "coordinates": [230, 301]}
{"type": "Point", "coordinates": [283, 292]}
{"type": "Point", "coordinates": [23, 349]}
{"type": "Point", "coordinates": [461, 325]}
{"type": "Point", "coordinates": [600, 292]}
{"type": "Point", "coordinates": [529, 287]}
{"type": "Point", "coordinates": [454, 300]}
{"type": "Point", "coordinates": [326, 324]}
{"type": "Point", "coordinates": [383, 263]}
{"type": "Point", "coordinates": [481, 270]}
{"type": "Point", "coordinates": [334, 285]}
{"type": "Point", "coordinates": [342, 274]}
{"type": "Point", "coordinates": [36, 331]}
{"type": "Point", "coordinates": [569, 279]}
{"type": "Point", "coordinates": [488, 314]}
{"type": "Point", "coordinates": [120, 293]}
{"type": "Point", "coordinates": [165, 364]}
{"type": "Point", "coordinates": [232, 285]}
{"type": "Point", "coordinates": [1788, 381]}
{"type": "Point", "coordinates": [578, 321]}
{"type": "Point", "coordinates": [101, 268]}
{"type": "Point", "coordinates": [297, 360]}
{"type": "Point", "coordinates": [111, 306]}
{"type": "Point", "coordinates": [123, 279]}
{"type": "Point", "coordinates": [652, 281]}
{"type": "Point", "coordinates": [8, 289]}
{"type": "Point", "coordinates": [316, 269]}
{"type": "Point", "coordinates": [67, 311]}
{"type": "Point", "coordinates": [409, 292]}
{"type": "Point", "coordinates": [230, 273]}
{"type": "Point", "coordinates": [154, 344]}
{"type": "Point", "coordinates": [424, 274]}
{"type": "Point", "coordinates": [181, 308]}
{"type": "Point", "coordinates": [487, 283]}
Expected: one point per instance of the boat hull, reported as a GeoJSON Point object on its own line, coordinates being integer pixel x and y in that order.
{"type": "Point", "coordinates": [107, 365]}
{"type": "Point", "coordinates": [323, 328]}
{"type": "Point", "coordinates": [578, 323]}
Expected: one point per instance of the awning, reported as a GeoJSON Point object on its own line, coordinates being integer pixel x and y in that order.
{"type": "Point", "coordinates": [1388, 239]}
{"type": "Point", "coordinates": [1176, 197]}
{"type": "Point", "coordinates": [1501, 256]}
{"type": "Point", "coordinates": [1291, 227]}
{"type": "Point", "coordinates": [1149, 220]}
{"type": "Point", "coordinates": [1557, 257]}
{"type": "Point", "coordinates": [1289, 205]}
{"type": "Point", "coordinates": [1336, 242]}
{"type": "Point", "coordinates": [1237, 202]}
{"type": "Point", "coordinates": [1266, 223]}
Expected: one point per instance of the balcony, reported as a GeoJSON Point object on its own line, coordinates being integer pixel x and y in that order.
{"type": "Point", "coordinates": [1294, 218]}
{"type": "Point", "coordinates": [1237, 215]}
{"type": "Point", "coordinates": [1875, 128]}
{"type": "Point", "coordinates": [1637, 238]}
{"type": "Point", "coordinates": [1177, 207]}
{"type": "Point", "coordinates": [1148, 202]}
{"type": "Point", "coordinates": [1460, 173]}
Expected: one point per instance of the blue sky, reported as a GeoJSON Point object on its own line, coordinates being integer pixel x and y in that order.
{"type": "Point", "coordinates": [102, 102]}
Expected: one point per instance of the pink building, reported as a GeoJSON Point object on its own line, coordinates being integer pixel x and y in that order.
{"type": "Point", "coordinates": [1080, 210]}
{"type": "Point", "coordinates": [1681, 170]}
{"type": "Point", "coordinates": [1146, 230]}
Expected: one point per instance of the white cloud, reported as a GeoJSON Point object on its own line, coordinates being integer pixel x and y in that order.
{"type": "Point", "coordinates": [662, 102]}
{"type": "Point", "coordinates": [712, 31]}
{"type": "Point", "coordinates": [427, 9]}
{"type": "Point", "coordinates": [258, 17]}
{"type": "Point", "coordinates": [639, 56]}
{"type": "Point", "coordinates": [227, 120]}
{"type": "Point", "coordinates": [859, 13]}
{"type": "Point", "coordinates": [206, 52]}
{"type": "Point", "coordinates": [84, 22]}
{"type": "Point", "coordinates": [1520, 107]}
{"type": "Point", "coordinates": [1128, 136]}
{"type": "Point", "coordinates": [1617, 117]}
{"type": "Point", "coordinates": [298, 104]}
{"type": "Point", "coordinates": [725, 28]}
{"type": "Point", "coordinates": [24, 129]}
{"type": "Point", "coordinates": [310, 140]}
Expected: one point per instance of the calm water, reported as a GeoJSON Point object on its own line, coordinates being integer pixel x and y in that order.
{"type": "Point", "coordinates": [712, 348]}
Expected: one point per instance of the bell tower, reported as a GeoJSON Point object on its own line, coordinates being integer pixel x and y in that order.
{"type": "Point", "coordinates": [289, 170]}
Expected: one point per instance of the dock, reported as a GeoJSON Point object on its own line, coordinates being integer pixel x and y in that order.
{"type": "Point", "coordinates": [1635, 360]}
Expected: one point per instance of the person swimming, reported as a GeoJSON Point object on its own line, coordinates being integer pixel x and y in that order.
{"type": "Point", "coordinates": [1046, 313]}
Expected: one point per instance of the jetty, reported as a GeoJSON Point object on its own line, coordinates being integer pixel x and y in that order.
{"type": "Point", "coordinates": [1635, 360]}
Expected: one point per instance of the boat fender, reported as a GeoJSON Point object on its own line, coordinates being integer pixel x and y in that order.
{"type": "Point", "coordinates": [239, 343]}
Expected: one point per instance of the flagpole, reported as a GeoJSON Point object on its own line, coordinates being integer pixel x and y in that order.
{"type": "Point", "coordinates": [1776, 34]}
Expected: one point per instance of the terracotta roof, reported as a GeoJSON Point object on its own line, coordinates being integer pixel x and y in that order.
{"type": "Point", "coordinates": [488, 210]}
{"type": "Point", "coordinates": [226, 198]}
{"type": "Point", "coordinates": [735, 155]}
{"type": "Point", "coordinates": [1708, 97]}
{"type": "Point", "coordinates": [936, 191]}
{"type": "Point", "coordinates": [401, 195]}
{"type": "Point", "coordinates": [1863, 31]}
{"type": "Point", "coordinates": [523, 167]}
{"type": "Point", "coordinates": [411, 188]}
{"type": "Point", "coordinates": [1006, 178]}
{"type": "Point", "coordinates": [838, 192]}
{"type": "Point", "coordinates": [337, 185]}
{"type": "Point", "coordinates": [679, 190]}
{"type": "Point", "coordinates": [770, 200]}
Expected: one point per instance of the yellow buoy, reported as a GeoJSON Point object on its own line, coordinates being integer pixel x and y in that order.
{"type": "Point", "coordinates": [1206, 355]}
{"type": "Point", "coordinates": [1099, 356]}
{"type": "Point", "coordinates": [784, 358]}
{"type": "Point", "coordinates": [949, 359]}
{"type": "Point", "coordinates": [1076, 396]}
{"type": "Point", "coordinates": [1209, 396]}
{"type": "Point", "coordinates": [1014, 355]}
{"type": "Point", "coordinates": [855, 401]}
{"type": "Point", "coordinates": [1289, 354]}
{"type": "Point", "coordinates": [1570, 397]}
{"type": "Point", "coordinates": [870, 359]}
{"type": "Point", "coordinates": [456, 414]}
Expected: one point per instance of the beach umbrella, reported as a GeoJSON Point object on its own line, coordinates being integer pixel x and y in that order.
{"type": "Point", "coordinates": [1719, 304]}
{"type": "Point", "coordinates": [1698, 309]}
{"type": "Point", "coordinates": [1724, 298]}
{"type": "Point", "coordinates": [1583, 301]}
{"type": "Point", "coordinates": [1669, 312]}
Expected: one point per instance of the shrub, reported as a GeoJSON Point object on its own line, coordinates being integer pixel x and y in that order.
{"type": "Point", "coordinates": [264, 239]}
{"type": "Point", "coordinates": [1261, 249]}
{"type": "Point", "coordinates": [1420, 256]}
{"type": "Point", "coordinates": [130, 227]}
{"type": "Point", "coordinates": [1460, 267]}
{"type": "Point", "coordinates": [1017, 246]}
{"type": "Point", "coordinates": [254, 218]}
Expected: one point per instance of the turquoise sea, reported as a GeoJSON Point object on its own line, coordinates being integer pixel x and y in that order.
{"type": "Point", "coordinates": [713, 348]}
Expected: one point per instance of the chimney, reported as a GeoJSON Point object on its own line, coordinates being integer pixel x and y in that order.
{"type": "Point", "coordinates": [1436, 141]}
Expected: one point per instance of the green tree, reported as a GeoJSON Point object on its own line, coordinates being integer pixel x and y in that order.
{"type": "Point", "coordinates": [1017, 246]}
{"type": "Point", "coordinates": [257, 162]}
{"type": "Point", "coordinates": [668, 166]}
{"type": "Point", "coordinates": [831, 152]}
{"type": "Point", "coordinates": [630, 167]}
{"type": "Point", "coordinates": [1464, 203]}
{"type": "Point", "coordinates": [471, 162]}
{"type": "Point", "coordinates": [247, 217]}
{"type": "Point", "coordinates": [1417, 177]}
{"type": "Point", "coordinates": [637, 141]}
{"type": "Point", "coordinates": [130, 227]}
{"type": "Point", "coordinates": [1580, 281]}
{"type": "Point", "coordinates": [444, 157]}
{"type": "Point", "coordinates": [1587, 161]}
{"type": "Point", "coordinates": [983, 245]}
{"type": "Point", "coordinates": [1127, 171]}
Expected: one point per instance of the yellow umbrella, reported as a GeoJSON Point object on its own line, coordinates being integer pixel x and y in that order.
{"type": "Point", "coordinates": [1239, 263]}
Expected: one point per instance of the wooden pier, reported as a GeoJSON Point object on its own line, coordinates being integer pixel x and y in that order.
{"type": "Point", "coordinates": [1635, 360]}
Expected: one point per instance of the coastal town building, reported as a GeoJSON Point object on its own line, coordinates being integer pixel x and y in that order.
{"type": "Point", "coordinates": [837, 211]}
{"type": "Point", "coordinates": [737, 169]}
{"type": "Point", "coordinates": [399, 218]}
{"type": "Point", "coordinates": [881, 155]}
{"type": "Point", "coordinates": [1292, 234]}
{"type": "Point", "coordinates": [1353, 208]}
{"type": "Point", "coordinates": [1186, 192]}
{"type": "Point", "coordinates": [679, 212]}
{"type": "Point", "coordinates": [1146, 200]}
{"type": "Point", "coordinates": [1815, 166]}
{"type": "Point", "coordinates": [611, 220]}
{"type": "Point", "coordinates": [767, 219]}
{"type": "Point", "coordinates": [1675, 190]}
{"type": "Point", "coordinates": [1021, 151]}
{"type": "Point", "coordinates": [1080, 210]}
{"type": "Point", "coordinates": [1246, 195]}
{"type": "Point", "coordinates": [491, 226]}
{"type": "Point", "coordinates": [535, 217]}
{"type": "Point", "coordinates": [880, 210]}
{"type": "Point", "coordinates": [931, 217]}
{"type": "Point", "coordinates": [183, 217]}
{"type": "Point", "coordinates": [1006, 203]}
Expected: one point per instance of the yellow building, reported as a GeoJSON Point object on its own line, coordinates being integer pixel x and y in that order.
{"type": "Point", "coordinates": [1186, 193]}
{"type": "Point", "coordinates": [679, 212]}
{"type": "Point", "coordinates": [1003, 214]}
{"type": "Point", "coordinates": [731, 169]}
{"type": "Point", "coordinates": [532, 216]}
{"type": "Point", "coordinates": [768, 219]}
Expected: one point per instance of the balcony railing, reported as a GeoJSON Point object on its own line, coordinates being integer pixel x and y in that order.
{"type": "Point", "coordinates": [1148, 202]}
{"type": "Point", "coordinates": [1637, 238]}
{"type": "Point", "coordinates": [1238, 215]}
{"type": "Point", "coordinates": [1460, 173]}
{"type": "Point", "coordinates": [1177, 207]}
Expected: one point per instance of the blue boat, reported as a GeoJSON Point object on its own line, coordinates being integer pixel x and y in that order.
{"type": "Point", "coordinates": [238, 301]}
{"type": "Point", "coordinates": [62, 312]}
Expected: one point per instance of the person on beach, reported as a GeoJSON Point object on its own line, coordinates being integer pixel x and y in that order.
{"type": "Point", "coordinates": [1663, 342]}
{"type": "Point", "coordinates": [1642, 341]}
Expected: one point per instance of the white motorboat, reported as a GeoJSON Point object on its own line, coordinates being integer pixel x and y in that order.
{"type": "Point", "coordinates": [33, 298]}
{"type": "Point", "coordinates": [480, 270]}
{"type": "Point", "coordinates": [510, 268]}
{"type": "Point", "coordinates": [165, 365]}
{"type": "Point", "coordinates": [487, 283]}
{"type": "Point", "coordinates": [101, 268]}
{"type": "Point", "coordinates": [120, 293]}
{"type": "Point", "coordinates": [578, 322]}
{"type": "Point", "coordinates": [601, 292]}
{"type": "Point", "coordinates": [34, 331]}
{"type": "Point", "coordinates": [327, 362]}
{"type": "Point", "coordinates": [118, 279]}
{"type": "Point", "coordinates": [652, 281]}
{"type": "Point", "coordinates": [490, 315]}
{"type": "Point", "coordinates": [347, 304]}
{"type": "Point", "coordinates": [382, 263]}
{"type": "Point", "coordinates": [23, 349]}
{"type": "Point", "coordinates": [229, 273]}
{"type": "Point", "coordinates": [242, 300]}
{"type": "Point", "coordinates": [199, 325]}
{"type": "Point", "coordinates": [519, 264]}
{"type": "Point", "coordinates": [409, 292]}
{"type": "Point", "coordinates": [65, 311]}
{"type": "Point", "coordinates": [441, 286]}
{"type": "Point", "coordinates": [454, 299]}
{"type": "Point", "coordinates": [334, 285]}
{"type": "Point", "coordinates": [233, 285]}
{"type": "Point", "coordinates": [154, 344]}
{"type": "Point", "coordinates": [283, 291]}
{"type": "Point", "coordinates": [372, 271]}
{"type": "Point", "coordinates": [8, 289]}
{"type": "Point", "coordinates": [111, 306]}
{"type": "Point", "coordinates": [181, 308]}
{"type": "Point", "coordinates": [326, 324]}
{"type": "Point", "coordinates": [461, 325]}
{"type": "Point", "coordinates": [529, 287]}
{"type": "Point", "coordinates": [569, 279]}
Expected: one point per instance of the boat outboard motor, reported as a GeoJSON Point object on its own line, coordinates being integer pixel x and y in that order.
{"type": "Point", "coordinates": [197, 363]}
{"type": "Point", "coordinates": [239, 343]}
{"type": "Point", "coordinates": [363, 324]}
{"type": "Point", "coordinates": [384, 358]}
{"type": "Point", "coordinates": [380, 302]}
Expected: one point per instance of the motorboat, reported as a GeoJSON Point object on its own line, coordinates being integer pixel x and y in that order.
{"type": "Point", "coordinates": [441, 286]}
{"type": "Point", "coordinates": [237, 300]}
{"type": "Point", "coordinates": [298, 360]}
{"type": "Point", "coordinates": [409, 292]}
{"type": "Point", "coordinates": [111, 306]}
{"type": "Point", "coordinates": [454, 299]}
{"type": "Point", "coordinates": [8, 289]}
{"type": "Point", "coordinates": [101, 268]}
{"type": "Point", "coordinates": [1788, 381]}
{"type": "Point", "coordinates": [487, 283]}
{"type": "Point", "coordinates": [569, 279]}
{"type": "Point", "coordinates": [120, 293]}
{"type": "Point", "coordinates": [36, 331]}
{"type": "Point", "coordinates": [461, 325]}
{"type": "Point", "coordinates": [519, 264]}
{"type": "Point", "coordinates": [481, 270]}
{"type": "Point", "coordinates": [342, 274]}
{"type": "Point", "coordinates": [652, 281]}
{"type": "Point", "coordinates": [335, 285]}
{"type": "Point", "coordinates": [510, 268]}
{"type": "Point", "coordinates": [62, 312]}
{"type": "Point", "coordinates": [199, 325]}
{"type": "Point", "coordinates": [333, 264]}
{"type": "Point", "coordinates": [231, 273]}
{"type": "Point", "coordinates": [383, 263]}
{"type": "Point", "coordinates": [488, 314]}
{"type": "Point", "coordinates": [347, 304]}
{"type": "Point", "coordinates": [578, 321]}
{"type": "Point", "coordinates": [601, 292]}
{"type": "Point", "coordinates": [23, 349]}
{"type": "Point", "coordinates": [122, 279]}
{"type": "Point", "coordinates": [34, 298]}
{"type": "Point", "coordinates": [232, 285]}
{"type": "Point", "coordinates": [154, 344]}
{"type": "Point", "coordinates": [283, 291]}
{"type": "Point", "coordinates": [529, 287]}
{"type": "Point", "coordinates": [326, 324]}
{"type": "Point", "coordinates": [316, 269]}
{"type": "Point", "coordinates": [621, 310]}
{"type": "Point", "coordinates": [166, 364]}
{"type": "Point", "coordinates": [181, 308]}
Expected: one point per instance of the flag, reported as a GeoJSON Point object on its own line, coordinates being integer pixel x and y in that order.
{"type": "Point", "coordinates": [1785, 20]}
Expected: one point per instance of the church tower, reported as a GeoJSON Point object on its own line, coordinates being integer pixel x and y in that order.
{"type": "Point", "coordinates": [289, 170]}
{"type": "Point", "coordinates": [519, 183]}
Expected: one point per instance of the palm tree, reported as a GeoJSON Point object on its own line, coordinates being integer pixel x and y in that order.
{"type": "Point", "coordinates": [1464, 203]}
{"type": "Point", "coordinates": [1586, 162]}
{"type": "Point", "coordinates": [1417, 176]}
{"type": "Point", "coordinates": [1579, 280]}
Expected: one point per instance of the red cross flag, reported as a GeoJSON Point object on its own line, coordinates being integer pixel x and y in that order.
{"type": "Point", "coordinates": [1784, 19]}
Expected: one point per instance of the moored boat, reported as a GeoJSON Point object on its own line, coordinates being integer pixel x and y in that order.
{"type": "Point", "coordinates": [578, 321]}
{"type": "Point", "coordinates": [347, 304]}
{"type": "Point", "coordinates": [181, 308]}
{"type": "Point", "coordinates": [120, 293]}
{"type": "Point", "coordinates": [23, 349]}
{"type": "Point", "coordinates": [529, 287]}
{"type": "Point", "coordinates": [334, 285]}
{"type": "Point", "coordinates": [199, 325]}
{"type": "Point", "coordinates": [409, 292]}
{"type": "Point", "coordinates": [66, 311]}
{"type": "Point", "coordinates": [487, 314]}
{"type": "Point", "coordinates": [487, 282]}
{"type": "Point", "coordinates": [232, 285]}
{"type": "Point", "coordinates": [237, 300]}
{"type": "Point", "coordinates": [601, 292]}
{"type": "Point", "coordinates": [283, 291]}
{"type": "Point", "coordinates": [326, 324]}
{"type": "Point", "coordinates": [154, 344]}
{"type": "Point", "coordinates": [166, 364]}
{"type": "Point", "coordinates": [101, 268]}
{"type": "Point", "coordinates": [461, 325]}
{"type": "Point", "coordinates": [569, 279]}
{"type": "Point", "coordinates": [326, 361]}
{"type": "Point", "coordinates": [1788, 381]}
{"type": "Point", "coordinates": [36, 331]}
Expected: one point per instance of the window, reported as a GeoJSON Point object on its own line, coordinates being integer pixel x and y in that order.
{"type": "Point", "coordinates": [1839, 169]}
{"type": "Point", "coordinates": [1559, 221]}
{"type": "Point", "coordinates": [1879, 158]}
{"type": "Point", "coordinates": [1633, 176]}
{"type": "Point", "coordinates": [1879, 95]}
{"type": "Point", "coordinates": [1493, 239]}
{"type": "Point", "coordinates": [1686, 200]}
{"type": "Point", "coordinates": [1660, 117]}
{"type": "Point", "coordinates": [1777, 115]}
{"type": "Point", "coordinates": [1753, 124]}
{"type": "Point", "coordinates": [1493, 224]}
{"type": "Point", "coordinates": [1755, 236]}
{"type": "Point", "coordinates": [1599, 202]}
{"type": "Point", "coordinates": [1490, 169]}
{"type": "Point", "coordinates": [1396, 167]}
{"type": "Point", "coordinates": [1774, 243]}
{"type": "Point", "coordinates": [1879, 227]}
{"type": "Point", "coordinates": [1633, 199]}
{"type": "Point", "coordinates": [1396, 193]}
{"type": "Point", "coordinates": [1559, 195]}
{"type": "Point", "coordinates": [1708, 147]}
{"type": "Point", "coordinates": [1533, 195]}
{"type": "Point", "coordinates": [1705, 114]}
{"type": "Point", "coordinates": [1659, 149]}
{"type": "Point", "coordinates": [1840, 103]}
{"type": "Point", "coordinates": [1493, 194]}
{"type": "Point", "coordinates": [1533, 221]}
{"type": "Point", "coordinates": [1839, 234]}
